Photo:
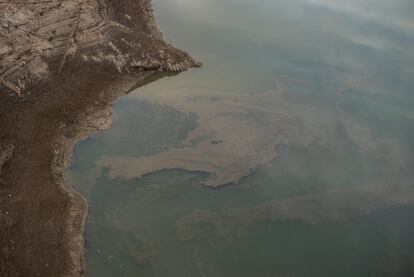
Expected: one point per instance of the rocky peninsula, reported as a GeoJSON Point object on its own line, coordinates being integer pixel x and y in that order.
{"type": "Point", "coordinates": [62, 65]}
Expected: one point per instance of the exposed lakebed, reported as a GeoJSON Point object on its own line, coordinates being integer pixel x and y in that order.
{"type": "Point", "coordinates": [306, 105]}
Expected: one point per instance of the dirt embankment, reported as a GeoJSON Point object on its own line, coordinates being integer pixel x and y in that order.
{"type": "Point", "coordinates": [62, 65]}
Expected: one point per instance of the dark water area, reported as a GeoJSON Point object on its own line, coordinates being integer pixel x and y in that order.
{"type": "Point", "coordinates": [337, 198]}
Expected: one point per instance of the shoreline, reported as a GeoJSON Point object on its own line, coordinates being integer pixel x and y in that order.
{"type": "Point", "coordinates": [43, 116]}
{"type": "Point", "coordinates": [65, 152]}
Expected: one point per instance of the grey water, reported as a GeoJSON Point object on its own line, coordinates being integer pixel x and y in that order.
{"type": "Point", "coordinates": [353, 63]}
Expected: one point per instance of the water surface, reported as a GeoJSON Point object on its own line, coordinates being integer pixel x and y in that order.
{"type": "Point", "coordinates": [336, 196]}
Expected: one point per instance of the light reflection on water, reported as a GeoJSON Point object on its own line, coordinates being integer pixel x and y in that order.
{"type": "Point", "coordinates": [352, 61]}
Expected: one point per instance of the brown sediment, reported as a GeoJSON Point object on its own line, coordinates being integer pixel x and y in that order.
{"type": "Point", "coordinates": [234, 135]}
{"type": "Point", "coordinates": [333, 206]}
{"type": "Point", "coordinates": [62, 65]}
{"type": "Point", "coordinates": [389, 150]}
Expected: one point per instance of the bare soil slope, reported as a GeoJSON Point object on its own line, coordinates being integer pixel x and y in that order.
{"type": "Point", "coordinates": [62, 65]}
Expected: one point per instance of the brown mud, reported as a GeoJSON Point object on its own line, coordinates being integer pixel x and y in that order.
{"type": "Point", "coordinates": [62, 65]}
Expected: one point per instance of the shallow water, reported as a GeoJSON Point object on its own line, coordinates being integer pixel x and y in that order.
{"type": "Point", "coordinates": [336, 196]}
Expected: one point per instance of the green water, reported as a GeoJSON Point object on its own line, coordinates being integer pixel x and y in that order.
{"type": "Point", "coordinates": [352, 61]}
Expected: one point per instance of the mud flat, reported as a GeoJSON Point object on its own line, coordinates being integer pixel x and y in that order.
{"type": "Point", "coordinates": [234, 135]}
{"type": "Point", "coordinates": [62, 65]}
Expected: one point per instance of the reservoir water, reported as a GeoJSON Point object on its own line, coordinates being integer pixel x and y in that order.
{"type": "Point", "coordinates": [290, 153]}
